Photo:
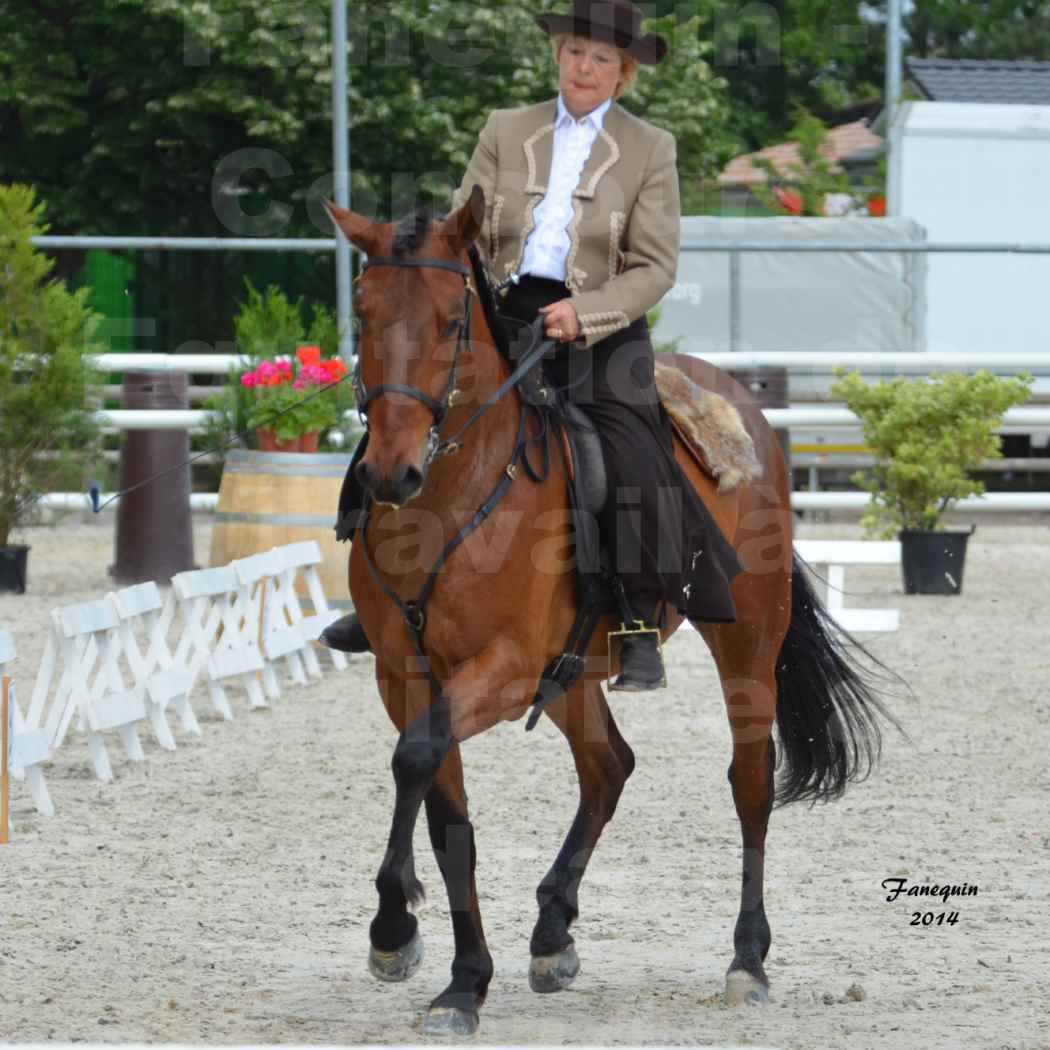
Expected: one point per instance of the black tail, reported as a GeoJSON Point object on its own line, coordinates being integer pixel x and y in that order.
{"type": "Point", "coordinates": [827, 711]}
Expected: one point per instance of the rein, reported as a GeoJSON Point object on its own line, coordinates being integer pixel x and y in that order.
{"type": "Point", "coordinates": [414, 611]}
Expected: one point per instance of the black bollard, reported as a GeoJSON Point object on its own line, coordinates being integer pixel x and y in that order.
{"type": "Point", "coordinates": [769, 388]}
{"type": "Point", "coordinates": [154, 538]}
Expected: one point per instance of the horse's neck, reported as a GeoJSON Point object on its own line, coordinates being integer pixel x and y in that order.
{"type": "Point", "coordinates": [489, 442]}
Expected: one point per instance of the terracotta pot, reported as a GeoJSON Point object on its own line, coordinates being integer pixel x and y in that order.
{"type": "Point", "coordinates": [268, 441]}
{"type": "Point", "coordinates": [309, 442]}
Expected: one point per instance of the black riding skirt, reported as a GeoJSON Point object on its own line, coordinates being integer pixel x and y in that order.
{"type": "Point", "coordinates": [664, 543]}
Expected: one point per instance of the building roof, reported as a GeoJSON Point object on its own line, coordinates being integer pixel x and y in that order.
{"type": "Point", "coordinates": [981, 80]}
{"type": "Point", "coordinates": [844, 143]}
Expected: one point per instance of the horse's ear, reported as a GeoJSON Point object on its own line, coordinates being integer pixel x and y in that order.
{"type": "Point", "coordinates": [464, 225]}
{"type": "Point", "coordinates": [360, 232]}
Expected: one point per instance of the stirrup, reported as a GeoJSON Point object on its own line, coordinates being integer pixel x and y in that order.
{"type": "Point", "coordinates": [627, 632]}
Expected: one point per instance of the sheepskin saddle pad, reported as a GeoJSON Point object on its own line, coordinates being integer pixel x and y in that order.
{"type": "Point", "coordinates": [710, 427]}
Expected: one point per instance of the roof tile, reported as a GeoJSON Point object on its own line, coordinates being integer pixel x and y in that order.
{"type": "Point", "coordinates": [982, 80]}
{"type": "Point", "coordinates": [842, 143]}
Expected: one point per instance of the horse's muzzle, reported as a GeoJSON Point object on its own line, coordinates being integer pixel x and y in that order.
{"type": "Point", "coordinates": [403, 483]}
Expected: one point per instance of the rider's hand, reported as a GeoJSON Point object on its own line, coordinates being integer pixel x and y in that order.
{"type": "Point", "coordinates": [560, 321]}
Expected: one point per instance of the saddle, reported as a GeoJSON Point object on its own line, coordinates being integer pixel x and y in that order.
{"type": "Point", "coordinates": [599, 590]}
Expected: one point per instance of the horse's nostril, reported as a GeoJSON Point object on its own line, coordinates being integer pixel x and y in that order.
{"type": "Point", "coordinates": [406, 481]}
{"type": "Point", "coordinates": [367, 475]}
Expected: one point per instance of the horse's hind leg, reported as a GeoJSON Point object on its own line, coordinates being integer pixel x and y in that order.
{"type": "Point", "coordinates": [604, 761]}
{"type": "Point", "coordinates": [745, 653]}
{"type": "Point", "coordinates": [455, 1010]}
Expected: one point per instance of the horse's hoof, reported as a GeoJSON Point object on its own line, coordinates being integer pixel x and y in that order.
{"type": "Point", "coordinates": [449, 1020]}
{"type": "Point", "coordinates": [744, 989]}
{"type": "Point", "coordinates": [397, 965]}
{"type": "Point", "coordinates": [552, 973]}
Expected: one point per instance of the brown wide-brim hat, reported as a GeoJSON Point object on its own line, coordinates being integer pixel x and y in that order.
{"type": "Point", "coordinates": [616, 22]}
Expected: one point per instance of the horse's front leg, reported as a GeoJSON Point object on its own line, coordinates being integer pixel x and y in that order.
{"type": "Point", "coordinates": [455, 1010]}
{"type": "Point", "coordinates": [421, 749]}
{"type": "Point", "coordinates": [604, 761]}
{"type": "Point", "coordinates": [427, 766]}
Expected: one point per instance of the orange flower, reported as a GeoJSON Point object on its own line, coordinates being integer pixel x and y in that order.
{"type": "Point", "coordinates": [308, 355]}
{"type": "Point", "coordinates": [334, 369]}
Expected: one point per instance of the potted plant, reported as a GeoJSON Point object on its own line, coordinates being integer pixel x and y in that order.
{"type": "Point", "coordinates": [928, 437]}
{"type": "Point", "coordinates": [271, 334]}
{"type": "Point", "coordinates": [293, 403]}
{"type": "Point", "coordinates": [47, 427]}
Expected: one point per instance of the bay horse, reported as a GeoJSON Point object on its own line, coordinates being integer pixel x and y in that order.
{"type": "Point", "coordinates": [502, 602]}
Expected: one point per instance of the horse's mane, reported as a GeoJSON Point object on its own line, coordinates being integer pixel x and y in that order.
{"type": "Point", "coordinates": [488, 303]}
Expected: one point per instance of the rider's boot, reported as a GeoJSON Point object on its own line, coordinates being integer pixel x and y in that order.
{"type": "Point", "coordinates": [347, 635]}
{"type": "Point", "coordinates": [641, 665]}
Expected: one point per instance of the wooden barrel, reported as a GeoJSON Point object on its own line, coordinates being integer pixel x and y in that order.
{"type": "Point", "coordinates": [268, 499]}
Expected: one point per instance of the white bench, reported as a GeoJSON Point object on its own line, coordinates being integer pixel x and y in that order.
{"type": "Point", "coordinates": [159, 681]}
{"type": "Point", "coordinates": [302, 559]}
{"type": "Point", "coordinates": [29, 747]}
{"type": "Point", "coordinates": [83, 650]}
{"type": "Point", "coordinates": [213, 639]}
{"type": "Point", "coordinates": [836, 555]}
{"type": "Point", "coordinates": [261, 619]}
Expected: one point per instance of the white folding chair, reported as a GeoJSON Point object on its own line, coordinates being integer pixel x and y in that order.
{"type": "Point", "coordinates": [303, 558]}
{"type": "Point", "coordinates": [213, 641]}
{"type": "Point", "coordinates": [83, 645]}
{"type": "Point", "coordinates": [29, 747]}
{"type": "Point", "coordinates": [140, 609]}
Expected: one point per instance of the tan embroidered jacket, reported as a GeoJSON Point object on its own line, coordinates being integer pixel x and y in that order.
{"type": "Point", "coordinates": [626, 221]}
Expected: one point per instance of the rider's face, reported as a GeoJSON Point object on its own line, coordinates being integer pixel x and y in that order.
{"type": "Point", "coordinates": [589, 71]}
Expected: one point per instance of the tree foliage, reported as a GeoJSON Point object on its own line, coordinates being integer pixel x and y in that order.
{"type": "Point", "coordinates": [928, 436]}
{"type": "Point", "coordinates": [812, 178]}
{"type": "Point", "coordinates": [1002, 29]}
{"type": "Point", "coordinates": [823, 56]}
{"type": "Point", "coordinates": [213, 118]}
{"type": "Point", "coordinates": [45, 333]}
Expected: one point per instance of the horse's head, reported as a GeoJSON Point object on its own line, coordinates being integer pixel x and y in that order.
{"type": "Point", "coordinates": [412, 305]}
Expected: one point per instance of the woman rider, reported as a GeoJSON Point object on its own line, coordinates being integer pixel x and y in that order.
{"type": "Point", "coordinates": [583, 218]}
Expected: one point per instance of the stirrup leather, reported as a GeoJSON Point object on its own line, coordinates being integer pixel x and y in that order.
{"type": "Point", "coordinates": [626, 632]}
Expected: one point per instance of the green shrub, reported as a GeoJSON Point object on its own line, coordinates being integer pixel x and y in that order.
{"type": "Point", "coordinates": [927, 436]}
{"type": "Point", "coordinates": [47, 428]}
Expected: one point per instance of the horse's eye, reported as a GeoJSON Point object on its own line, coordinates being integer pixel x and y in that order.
{"type": "Point", "coordinates": [450, 329]}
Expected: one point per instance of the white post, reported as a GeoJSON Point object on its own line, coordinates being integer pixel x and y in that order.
{"type": "Point", "coordinates": [894, 77]}
{"type": "Point", "coordinates": [341, 165]}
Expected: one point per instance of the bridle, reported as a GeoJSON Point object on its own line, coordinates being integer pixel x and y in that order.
{"type": "Point", "coordinates": [439, 408]}
{"type": "Point", "coordinates": [414, 611]}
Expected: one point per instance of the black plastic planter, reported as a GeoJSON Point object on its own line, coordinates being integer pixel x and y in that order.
{"type": "Point", "coordinates": [932, 562]}
{"type": "Point", "coordinates": [13, 562]}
